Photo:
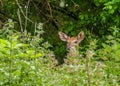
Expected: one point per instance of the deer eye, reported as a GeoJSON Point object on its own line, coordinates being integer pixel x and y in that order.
{"type": "Point", "coordinates": [75, 42]}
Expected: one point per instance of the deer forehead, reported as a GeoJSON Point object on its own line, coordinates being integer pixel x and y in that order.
{"type": "Point", "coordinates": [72, 39]}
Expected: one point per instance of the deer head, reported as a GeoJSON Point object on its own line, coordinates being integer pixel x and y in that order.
{"type": "Point", "coordinates": [72, 42]}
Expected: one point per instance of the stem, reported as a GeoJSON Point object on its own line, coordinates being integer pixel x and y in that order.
{"type": "Point", "coordinates": [88, 71]}
{"type": "Point", "coordinates": [88, 56]}
{"type": "Point", "coordinates": [10, 73]}
{"type": "Point", "coordinates": [10, 64]}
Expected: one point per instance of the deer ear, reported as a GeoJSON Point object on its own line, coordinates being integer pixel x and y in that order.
{"type": "Point", "coordinates": [80, 36]}
{"type": "Point", "coordinates": [63, 36]}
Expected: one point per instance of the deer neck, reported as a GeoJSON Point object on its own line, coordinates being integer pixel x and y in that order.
{"type": "Point", "coordinates": [73, 52]}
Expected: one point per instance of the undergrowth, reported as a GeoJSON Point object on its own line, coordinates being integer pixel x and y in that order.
{"type": "Point", "coordinates": [26, 60]}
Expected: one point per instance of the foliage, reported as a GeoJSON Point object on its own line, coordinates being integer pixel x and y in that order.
{"type": "Point", "coordinates": [111, 46]}
{"type": "Point", "coordinates": [28, 51]}
{"type": "Point", "coordinates": [19, 61]}
{"type": "Point", "coordinates": [30, 63]}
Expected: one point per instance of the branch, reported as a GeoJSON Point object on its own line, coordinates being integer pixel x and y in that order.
{"type": "Point", "coordinates": [1, 3]}
{"type": "Point", "coordinates": [50, 9]}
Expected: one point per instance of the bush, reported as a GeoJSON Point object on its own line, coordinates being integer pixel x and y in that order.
{"type": "Point", "coordinates": [21, 63]}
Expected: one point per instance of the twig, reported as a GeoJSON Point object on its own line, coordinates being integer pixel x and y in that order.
{"type": "Point", "coordinates": [22, 11]}
{"type": "Point", "coordinates": [41, 12]}
{"type": "Point", "coordinates": [49, 18]}
{"type": "Point", "coordinates": [26, 13]}
{"type": "Point", "coordinates": [50, 10]}
{"type": "Point", "coordinates": [1, 3]}
{"type": "Point", "coordinates": [18, 13]}
{"type": "Point", "coordinates": [51, 15]}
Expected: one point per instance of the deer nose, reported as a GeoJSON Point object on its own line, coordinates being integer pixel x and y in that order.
{"type": "Point", "coordinates": [68, 48]}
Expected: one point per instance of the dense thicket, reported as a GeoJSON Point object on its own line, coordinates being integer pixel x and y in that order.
{"type": "Point", "coordinates": [70, 16]}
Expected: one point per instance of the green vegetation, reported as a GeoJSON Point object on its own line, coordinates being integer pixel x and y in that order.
{"type": "Point", "coordinates": [31, 53]}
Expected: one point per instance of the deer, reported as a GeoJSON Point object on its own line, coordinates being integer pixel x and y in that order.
{"type": "Point", "coordinates": [72, 43]}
